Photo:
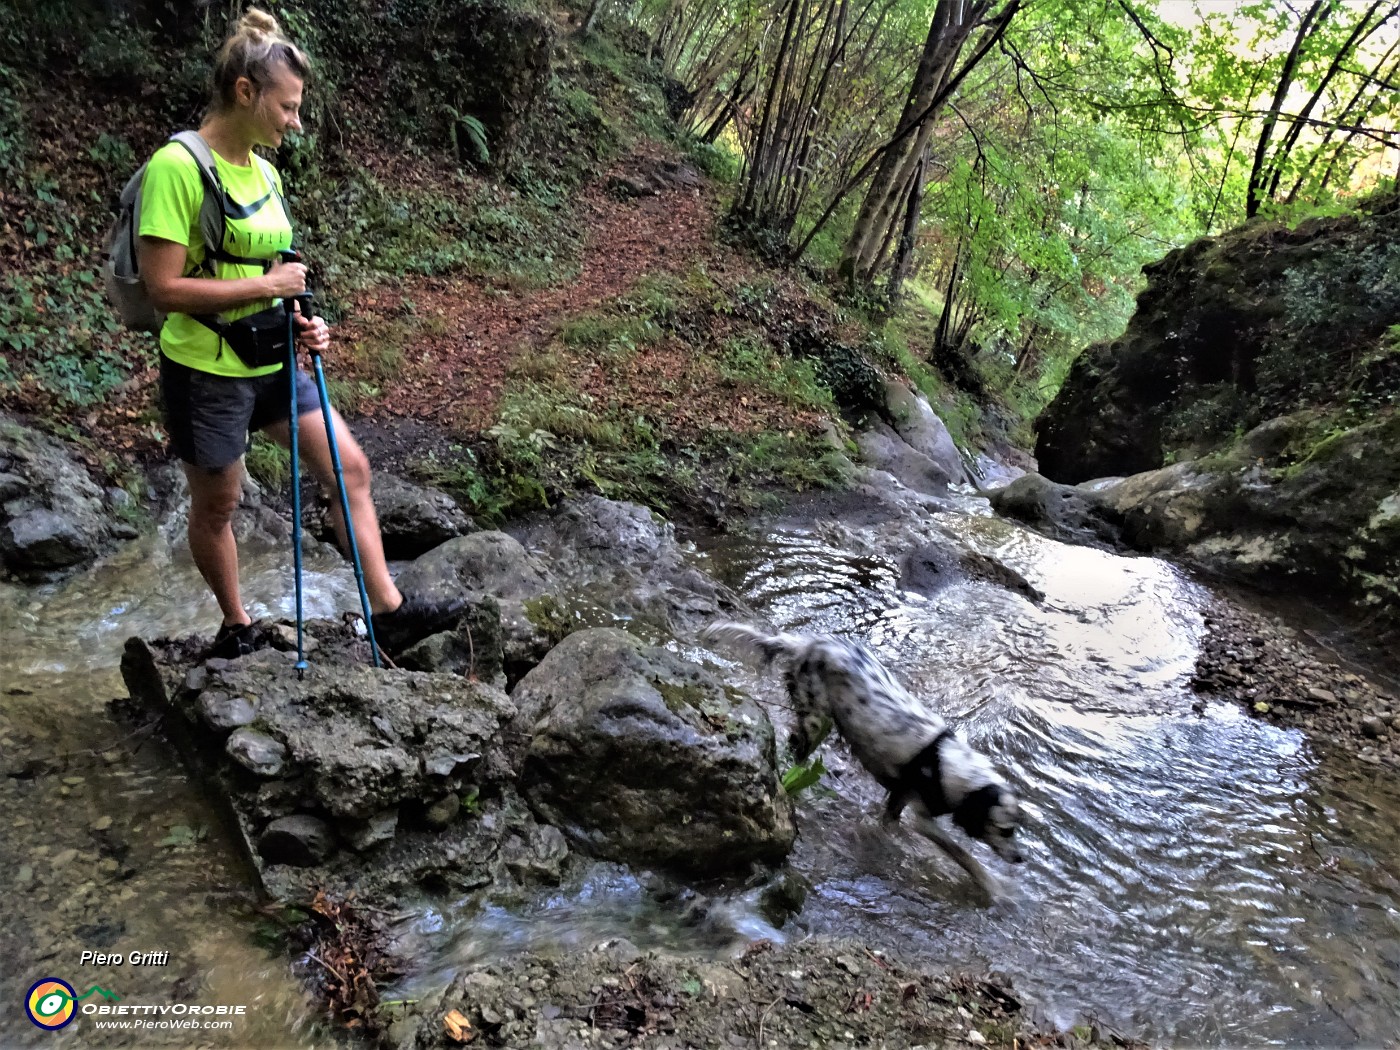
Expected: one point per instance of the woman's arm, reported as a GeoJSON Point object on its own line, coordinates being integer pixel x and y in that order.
{"type": "Point", "coordinates": [162, 263]}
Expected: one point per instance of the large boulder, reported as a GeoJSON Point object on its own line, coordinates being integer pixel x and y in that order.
{"type": "Point", "coordinates": [619, 564]}
{"type": "Point", "coordinates": [884, 450]}
{"type": "Point", "coordinates": [340, 777]}
{"type": "Point", "coordinates": [921, 429]}
{"type": "Point", "coordinates": [640, 756]}
{"type": "Point", "coordinates": [491, 563]}
{"type": "Point", "coordinates": [412, 519]}
{"type": "Point", "coordinates": [1229, 332]}
{"type": "Point", "coordinates": [1063, 512]}
{"type": "Point", "coordinates": [1300, 500]}
{"type": "Point", "coordinates": [53, 516]}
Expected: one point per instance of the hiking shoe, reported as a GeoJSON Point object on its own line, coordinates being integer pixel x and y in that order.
{"type": "Point", "coordinates": [232, 641]}
{"type": "Point", "coordinates": [415, 619]}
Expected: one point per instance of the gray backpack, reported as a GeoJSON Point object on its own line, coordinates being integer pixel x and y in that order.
{"type": "Point", "coordinates": [120, 271]}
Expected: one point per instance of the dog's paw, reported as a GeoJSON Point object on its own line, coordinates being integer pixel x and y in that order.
{"type": "Point", "coordinates": [1000, 895]}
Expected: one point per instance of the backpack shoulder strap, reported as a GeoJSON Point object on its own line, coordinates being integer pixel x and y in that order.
{"type": "Point", "coordinates": [213, 210]}
{"type": "Point", "coordinates": [270, 173]}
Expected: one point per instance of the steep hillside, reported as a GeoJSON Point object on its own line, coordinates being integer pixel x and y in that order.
{"type": "Point", "coordinates": [521, 256]}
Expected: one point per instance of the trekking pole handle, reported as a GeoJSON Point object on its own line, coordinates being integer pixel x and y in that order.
{"type": "Point", "coordinates": [291, 255]}
{"type": "Point", "coordinates": [306, 306]}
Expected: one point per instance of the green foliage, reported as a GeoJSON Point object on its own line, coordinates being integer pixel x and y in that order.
{"type": "Point", "coordinates": [856, 384]}
{"type": "Point", "coordinates": [60, 333]}
{"type": "Point", "coordinates": [1363, 285]}
{"type": "Point", "coordinates": [269, 464]}
{"type": "Point", "coordinates": [181, 835]}
{"type": "Point", "coordinates": [1203, 421]}
{"type": "Point", "coordinates": [472, 129]}
{"type": "Point", "coordinates": [715, 160]}
{"type": "Point", "coordinates": [751, 359]}
{"type": "Point", "coordinates": [802, 776]}
{"type": "Point", "coordinates": [1314, 358]}
{"type": "Point", "coordinates": [463, 478]}
{"type": "Point", "coordinates": [471, 801]}
{"type": "Point", "coordinates": [364, 229]}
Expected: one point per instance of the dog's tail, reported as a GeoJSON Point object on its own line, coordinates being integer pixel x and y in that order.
{"type": "Point", "coordinates": [766, 648]}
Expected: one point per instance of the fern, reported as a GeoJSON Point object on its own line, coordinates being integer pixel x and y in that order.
{"type": "Point", "coordinates": [475, 131]}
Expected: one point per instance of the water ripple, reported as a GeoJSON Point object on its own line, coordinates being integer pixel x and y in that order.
{"type": "Point", "coordinates": [1199, 878]}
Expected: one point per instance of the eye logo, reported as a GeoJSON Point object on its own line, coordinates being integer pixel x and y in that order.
{"type": "Point", "coordinates": [50, 1003]}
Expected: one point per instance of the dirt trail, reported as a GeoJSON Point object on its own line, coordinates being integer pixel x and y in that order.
{"type": "Point", "coordinates": [455, 378]}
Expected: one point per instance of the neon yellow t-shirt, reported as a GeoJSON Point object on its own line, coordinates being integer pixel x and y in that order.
{"type": "Point", "coordinates": [172, 194]}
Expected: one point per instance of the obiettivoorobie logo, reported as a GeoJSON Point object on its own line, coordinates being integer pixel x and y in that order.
{"type": "Point", "coordinates": [52, 1003]}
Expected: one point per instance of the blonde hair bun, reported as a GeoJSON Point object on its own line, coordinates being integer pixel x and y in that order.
{"type": "Point", "coordinates": [256, 48]}
{"type": "Point", "coordinates": [256, 21]}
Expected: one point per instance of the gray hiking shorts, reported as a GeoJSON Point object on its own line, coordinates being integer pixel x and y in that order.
{"type": "Point", "coordinates": [211, 419]}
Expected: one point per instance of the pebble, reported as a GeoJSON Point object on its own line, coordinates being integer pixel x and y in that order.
{"type": "Point", "coordinates": [65, 857]}
{"type": "Point", "coordinates": [101, 823]}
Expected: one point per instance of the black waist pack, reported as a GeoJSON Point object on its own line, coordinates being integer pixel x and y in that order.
{"type": "Point", "coordinates": [259, 339]}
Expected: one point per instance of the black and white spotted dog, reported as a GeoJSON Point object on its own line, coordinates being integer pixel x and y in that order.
{"type": "Point", "coordinates": [906, 747]}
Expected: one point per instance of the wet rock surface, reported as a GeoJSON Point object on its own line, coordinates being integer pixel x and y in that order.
{"type": "Point", "coordinates": [346, 777]}
{"type": "Point", "coordinates": [412, 519]}
{"type": "Point", "coordinates": [53, 516]}
{"type": "Point", "coordinates": [491, 564]}
{"type": "Point", "coordinates": [616, 564]}
{"type": "Point", "coordinates": [920, 427]}
{"type": "Point", "coordinates": [832, 994]}
{"type": "Point", "coordinates": [1265, 665]}
{"type": "Point", "coordinates": [930, 567]}
{"type": "Point", "coordinates": [1258, 364]}
{"type": "Point", "coordinates": [640, 756]}
{"type": "Point", "coordinates": [1072, 513]}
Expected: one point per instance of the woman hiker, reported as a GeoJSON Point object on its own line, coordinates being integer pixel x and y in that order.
{"type": "Point", "coordinates": [213, 399]}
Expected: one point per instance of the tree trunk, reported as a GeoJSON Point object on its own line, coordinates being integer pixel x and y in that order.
{"type": "Point", "coordinates": [756, 173]}
{"type": "Point", "coordinates": [1259, 172]}
{"type": "Point", "coordinates": [1358, 34]}
{"type": "Point", "coordinates": [594, 9]}
{"type": "Point", "coordinates": [934, 84]}
{"type": "Point", "coordinates": [904, 257]}
{"type": "Point", "coordinates": [865, 237]}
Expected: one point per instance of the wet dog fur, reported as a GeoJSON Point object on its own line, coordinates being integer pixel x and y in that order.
{"type": "Point", "coordinates": [907, 748]}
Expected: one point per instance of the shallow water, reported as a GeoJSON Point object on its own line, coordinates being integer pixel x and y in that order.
{"type": "Point", "coordinates": [111, 848]}
{"type": "Point", "coordinates": [1198, 878]}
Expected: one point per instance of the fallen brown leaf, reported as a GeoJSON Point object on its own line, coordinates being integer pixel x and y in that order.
{"type": "Point", "coordinates": [459, 1029]}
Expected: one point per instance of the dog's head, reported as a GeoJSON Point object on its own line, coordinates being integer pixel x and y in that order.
{"type": "Point", "coordinates": [992, 813]}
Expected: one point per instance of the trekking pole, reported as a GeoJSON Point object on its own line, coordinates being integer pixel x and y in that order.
{"type": "Point", "coordinates": [308, 310]}
{"type": "Point", "coordinates": [288, 255]}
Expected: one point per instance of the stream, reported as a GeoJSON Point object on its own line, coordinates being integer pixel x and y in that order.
{"type": "Point", "coordinates": [1194, 876]}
